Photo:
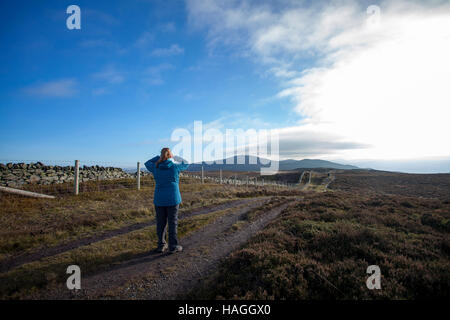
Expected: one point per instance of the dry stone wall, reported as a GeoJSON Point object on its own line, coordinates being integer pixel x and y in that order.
{"type": "Point", "coordinates": [17, 174]}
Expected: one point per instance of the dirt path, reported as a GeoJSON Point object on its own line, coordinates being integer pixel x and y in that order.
{"type": "Point", "coordinates": [19, 260]}
{"type": "Point", "coordinates": [307, 183]}
{"type": "Point", "coordinates": [167, 276]}
{"type": "Point", "coordinates": [329, 180]}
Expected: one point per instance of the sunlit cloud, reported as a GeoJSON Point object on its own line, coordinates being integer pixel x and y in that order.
{"type": "Point", "coordinates": [373, 89]}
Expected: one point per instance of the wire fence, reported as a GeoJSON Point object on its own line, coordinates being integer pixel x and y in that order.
{"type": "Point", "coordinates": [238, 179]}
{"type": "Point", "coordinates": [65, 177]}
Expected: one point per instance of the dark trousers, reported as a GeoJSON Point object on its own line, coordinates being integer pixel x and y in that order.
{"type": "Point", "coordinates": [164, 215]}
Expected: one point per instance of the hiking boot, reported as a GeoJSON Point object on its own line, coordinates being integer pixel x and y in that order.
{"type": "Point", "coordinates": [176, 249]}
{"type": "Point", "coordinates": [161, 249]}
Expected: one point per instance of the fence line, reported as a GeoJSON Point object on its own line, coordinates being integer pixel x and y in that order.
{"type": "Point", "coordinates": [90, 178]}
{"type": "Point", "coordinates": [234, 180]}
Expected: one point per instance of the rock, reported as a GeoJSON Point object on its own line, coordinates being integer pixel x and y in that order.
{"type": "Point", "coordinates": [35, 179]}
{"type": "Point", "coordinates": [49, 178]}
{"type": "Point", "coordinates": [12, 184]}
{"type": "Point", "coordinates": [10, 176]}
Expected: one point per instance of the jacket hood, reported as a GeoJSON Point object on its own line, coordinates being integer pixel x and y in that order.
{"type": "Point", "coordinates": [165, 164]}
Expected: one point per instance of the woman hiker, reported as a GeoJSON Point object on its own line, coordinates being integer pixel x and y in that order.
{"type": "Point", "coordinates": [167, 198]}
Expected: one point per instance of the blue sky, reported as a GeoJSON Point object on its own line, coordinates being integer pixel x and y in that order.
{"type": "Point", "coordinates": [116, 89]}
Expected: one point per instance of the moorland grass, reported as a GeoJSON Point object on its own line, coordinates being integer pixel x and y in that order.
{"type": "Point", "coordinates": [320, 248]}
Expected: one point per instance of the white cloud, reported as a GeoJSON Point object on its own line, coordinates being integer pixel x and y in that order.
{"type": "Point", "coordinates": [110, 75]}
{"type": "Point", "coordinates": [154, 75]}
{"type": "Point", "coordinates": [57, 88]}
{"type": "Point", "coordinates": [167, 27]}
{"type": "Point", "coordinates": [144, 40]}
{"type": "Point", "coordinates": [100, 91]}
{"type": "Point", "coordinates": [100, 17]}
{"type": "Point", "coordinates": [98, 43]}
{"type": "Point", "coordinates": [173, 50]}
{"type": "Point", "coordinates": [378, 86]}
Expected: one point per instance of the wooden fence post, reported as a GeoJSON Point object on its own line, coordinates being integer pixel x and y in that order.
{"type": "Point", "coordinates": [25, 193]}
{"type": "Point", "coordinates": [138, 175]}
{"type": "Point", "coordinates": [203, 176]}
{"type": "Point", "coordinates": [220, 176]}
{"type": "Point", "coordinates": [76, 176]}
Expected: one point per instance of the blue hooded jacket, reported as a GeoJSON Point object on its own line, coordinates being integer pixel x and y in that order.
{"type": "Point", "coordinates": [167, 191]}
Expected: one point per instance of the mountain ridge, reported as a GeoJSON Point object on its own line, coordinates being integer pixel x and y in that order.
{"type": "Point", "coordinates": [253, 163]}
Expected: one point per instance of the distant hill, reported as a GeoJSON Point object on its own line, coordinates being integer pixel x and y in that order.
{"type": "Point", "coordinates": [314, 163]}
{"type": "Point", "coordinates": [252, 163]}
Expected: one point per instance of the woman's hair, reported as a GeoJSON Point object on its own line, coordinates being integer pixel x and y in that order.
{"type": "Point", "coordinates": [165, 154]}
